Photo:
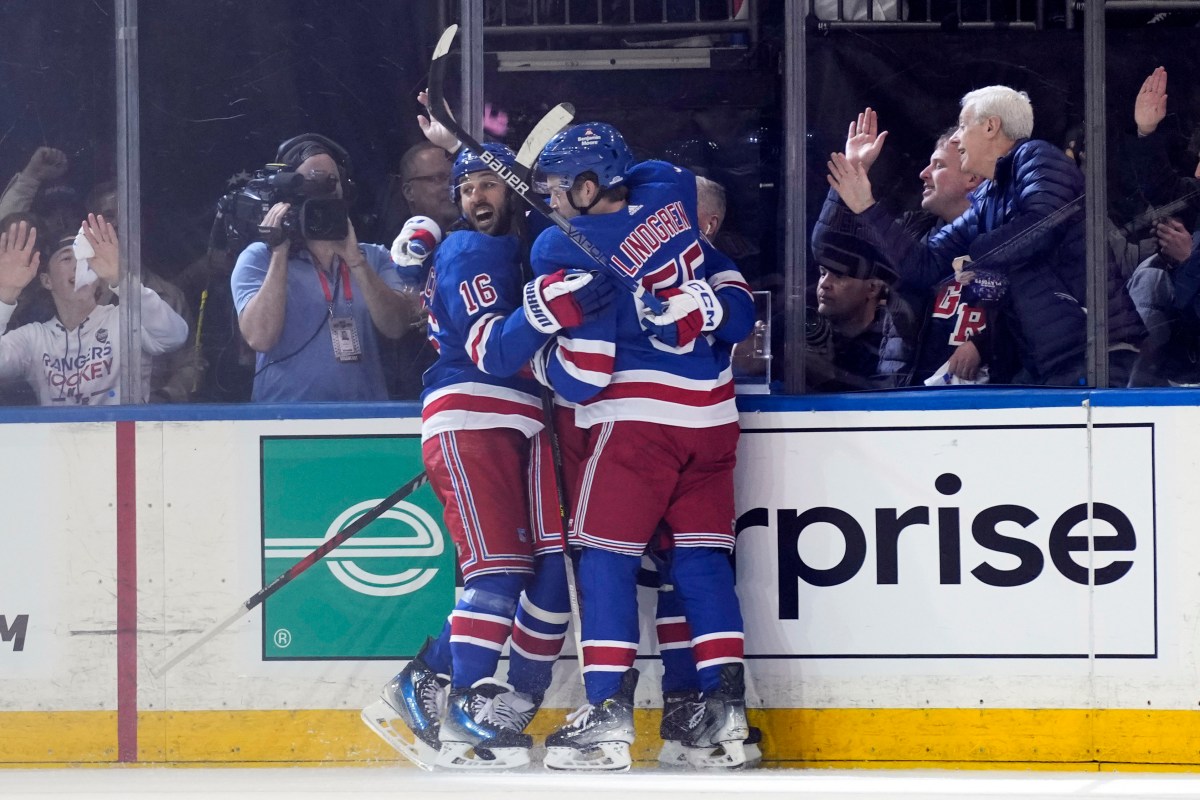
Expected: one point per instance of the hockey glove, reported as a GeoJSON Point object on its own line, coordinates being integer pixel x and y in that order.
{"type": "Point", "coordinates": [416, 241]}
{"type": "Point", "coordinates": [565, 300]}
{"type": "Point", "coordinates": [691, 309]}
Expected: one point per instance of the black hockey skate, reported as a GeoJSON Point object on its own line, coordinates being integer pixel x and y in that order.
{"type": "Point", "coordinates": [683, 711]}
{"type": "Point", "coordinates": [596, 737]}
{"type": "Point", "coordinates": [482, 729]}
{"type": "Point", "coordinates": [408, 714]}
{"type": "Point", "coordinates": [719, 740]}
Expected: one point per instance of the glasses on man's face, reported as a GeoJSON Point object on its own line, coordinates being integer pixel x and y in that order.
{"type": "Point", "coordinates": [442, 178]}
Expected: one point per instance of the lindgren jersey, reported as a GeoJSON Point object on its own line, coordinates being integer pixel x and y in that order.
{"type": "Point", "coordinates": [477, 326]}
{"type": "Point", "coordinates": [611, 366]}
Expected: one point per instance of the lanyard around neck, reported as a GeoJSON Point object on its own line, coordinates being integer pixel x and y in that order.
{"type": "Point", "coordinates": [344, 273]}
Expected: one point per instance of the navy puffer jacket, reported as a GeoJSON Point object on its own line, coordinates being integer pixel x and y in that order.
{"type": "Point", "coordinates": [1007, 230]}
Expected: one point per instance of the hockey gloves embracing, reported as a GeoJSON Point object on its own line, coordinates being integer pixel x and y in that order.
{"type": "Point", "coordinates": [565, 300]}
{"type": "Point", "coordinates": [690, 309]}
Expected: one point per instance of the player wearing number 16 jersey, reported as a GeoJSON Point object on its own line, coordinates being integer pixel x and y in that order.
{"type": "Point", "coordinates": [479, 415]}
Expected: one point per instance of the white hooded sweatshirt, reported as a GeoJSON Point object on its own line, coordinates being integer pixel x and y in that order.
{"type": "Point", "coordinates": [83, 367]}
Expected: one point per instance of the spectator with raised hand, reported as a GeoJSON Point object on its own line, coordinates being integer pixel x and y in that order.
{"type": "Point", "coordinates": [939, 329]}
{"type": "Point", "coordinates": [1157, 179]}
{"type": "Point", "coordinates": [174, 375]}
{"type": "Point", "coordinates": [75, 358]}
{"type": "Point", "coordinates": [45, 165]}
{"type": "Point", "coordinates": [1025, 219]}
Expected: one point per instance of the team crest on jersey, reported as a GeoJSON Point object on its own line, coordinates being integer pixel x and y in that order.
{"type": "Point", "coordinates": [102, 335]}
{"type": "Point", "coordinates": [634, 209]}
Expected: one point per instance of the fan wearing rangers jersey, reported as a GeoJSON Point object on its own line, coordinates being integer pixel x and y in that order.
{"type": "Point", "coordinates": [75, 358]}
{"type": "Point", "coordinates": [655, 393]}
{"type": "Point", "coordinates": [479, 416]}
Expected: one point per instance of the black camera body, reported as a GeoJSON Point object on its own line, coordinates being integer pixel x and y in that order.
{"type": "Point", "coordinates": [315, 214]}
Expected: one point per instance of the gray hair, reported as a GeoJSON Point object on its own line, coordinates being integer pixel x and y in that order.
{"type": "Point", "coordinates": [711, 195]}
{"type": "Point", "coordinates": [1012, 107]}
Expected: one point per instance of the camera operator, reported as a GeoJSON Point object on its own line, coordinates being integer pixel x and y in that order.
{"type": "Point", "coordinates": [310, 298]}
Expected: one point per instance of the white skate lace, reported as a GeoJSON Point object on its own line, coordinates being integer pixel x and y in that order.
{"type": "Point", "coordinates": [497, 712]}
{"type": "Point", "coordinates": [697, 715]}
{"type": "Point", "coordinates": [579, 717]}
{"type": "Point", "coordinates": [434, 698]}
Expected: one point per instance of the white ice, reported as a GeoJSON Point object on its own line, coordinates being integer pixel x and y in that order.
{"type": "Point", "coordinates": [335, 783]}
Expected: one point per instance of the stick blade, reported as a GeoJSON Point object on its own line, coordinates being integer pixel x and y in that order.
{"type": "Point", "coordinates": [555, 120]}
{"type": "Point", "coordinates": [443, 45]}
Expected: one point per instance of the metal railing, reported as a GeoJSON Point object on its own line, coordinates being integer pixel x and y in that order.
{"type": "Point", "coordinates": [589, 17]}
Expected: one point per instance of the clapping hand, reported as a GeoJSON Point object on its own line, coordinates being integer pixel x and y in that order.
{"type": "Point", "coordinates": [863, 140]}
{"type": "Point", "coordinates": [19, 260]}
{"type": "Point", "coordinates": [850, 182]}
{"type": "Point", "coordinates": [1151, 105]}
{"type": "Point", "coordinates": [102, 236]}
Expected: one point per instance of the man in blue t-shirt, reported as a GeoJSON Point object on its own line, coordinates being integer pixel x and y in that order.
{"type": "Point", "coordinates": [313, 308]}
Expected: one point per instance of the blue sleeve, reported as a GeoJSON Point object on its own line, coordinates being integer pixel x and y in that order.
{"type": "Point", "coordinates": [920, 263]}
{"type": "Point", "coordinates": [480, 285]}
{"type": "Point", "coordinates": [249, 273]}
{"type": "Point", "coordinates": [578, 364]}
{"type": "Point", "coordinates": [1046, 181]}
{"type": "Point", "coordinates": [380, 260]}
{"type": "Point", "coordinates": [733, 292]}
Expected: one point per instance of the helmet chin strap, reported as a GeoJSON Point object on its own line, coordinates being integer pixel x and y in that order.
{"type": "Point", "coordinates": [583, 210]}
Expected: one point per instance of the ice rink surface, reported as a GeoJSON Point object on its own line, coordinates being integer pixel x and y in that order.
{"type": "Point", "coordinates": [336, 783]}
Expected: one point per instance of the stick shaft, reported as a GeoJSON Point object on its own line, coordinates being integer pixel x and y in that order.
{"type": "Point", "coordinates": [437, 109]}
{"type": "Point", "coordinates": [296, 569]}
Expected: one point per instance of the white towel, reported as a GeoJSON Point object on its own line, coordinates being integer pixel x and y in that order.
{"type": "Point", "coordinates": [83, 251]}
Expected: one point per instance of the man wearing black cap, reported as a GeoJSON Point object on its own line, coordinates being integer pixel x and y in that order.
{"type": "Point", "coordinates": [313, 315]}
{"type": "Point", "coordinates": [851, 294]}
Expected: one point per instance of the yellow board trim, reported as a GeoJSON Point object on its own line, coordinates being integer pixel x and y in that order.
{"type": "Point", "coordinates": [860, 738]}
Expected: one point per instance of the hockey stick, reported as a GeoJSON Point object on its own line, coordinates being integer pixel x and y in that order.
{"type": "Point", "coordinates": [437, 110]}
{"type": "Point", "coordinates": [564, 514]}
{"type": "Point", "coordinates": [555, 120]}
{"type": "Point", "coordinates": [296, 569]}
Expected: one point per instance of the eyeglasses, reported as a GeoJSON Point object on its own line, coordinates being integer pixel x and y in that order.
{"type": "Point", "coordinates": [441, 177]}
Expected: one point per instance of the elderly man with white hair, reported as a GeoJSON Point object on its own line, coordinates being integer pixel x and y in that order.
{"type": "Point", "coordinates": [1023, 234]}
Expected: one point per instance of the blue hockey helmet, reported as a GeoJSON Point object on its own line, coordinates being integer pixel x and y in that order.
{"type": "Point", "coordinates": [469, 161]}
{"type": "Point", "coordinates": [594, 147]}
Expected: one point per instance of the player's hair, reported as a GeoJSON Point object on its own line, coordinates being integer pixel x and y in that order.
{"type": "Point", "coordinates": [1012, 107]}
{"type": "Point", "coordinates": [711, 193]}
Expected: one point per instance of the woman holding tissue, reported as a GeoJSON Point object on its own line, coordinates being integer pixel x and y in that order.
{"type": "Point", "coordinates": [75, 358]}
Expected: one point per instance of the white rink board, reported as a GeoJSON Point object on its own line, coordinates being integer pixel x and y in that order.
{"type": "Point", "coordinates": [1046, 643]}
{"type": "Point", "coordinates": [58, 568]}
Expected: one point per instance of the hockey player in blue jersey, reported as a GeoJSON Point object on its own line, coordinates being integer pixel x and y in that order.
{"type": "Point", "coordinates": [479, 415]}
{"type": "Point", "coordinates": [656, 395]}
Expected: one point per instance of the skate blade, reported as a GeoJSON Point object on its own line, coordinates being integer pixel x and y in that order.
{"type": "Point", "coordinates": [463, 756]}
{"type": "Point", "coordinates": [673, 754]}
{"type": "Point", "coordinates": [725, 755]}
{"type": "Point", "coordinates": [605, 756]}
{"type": "Point", "coordinates": [381, 718]}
